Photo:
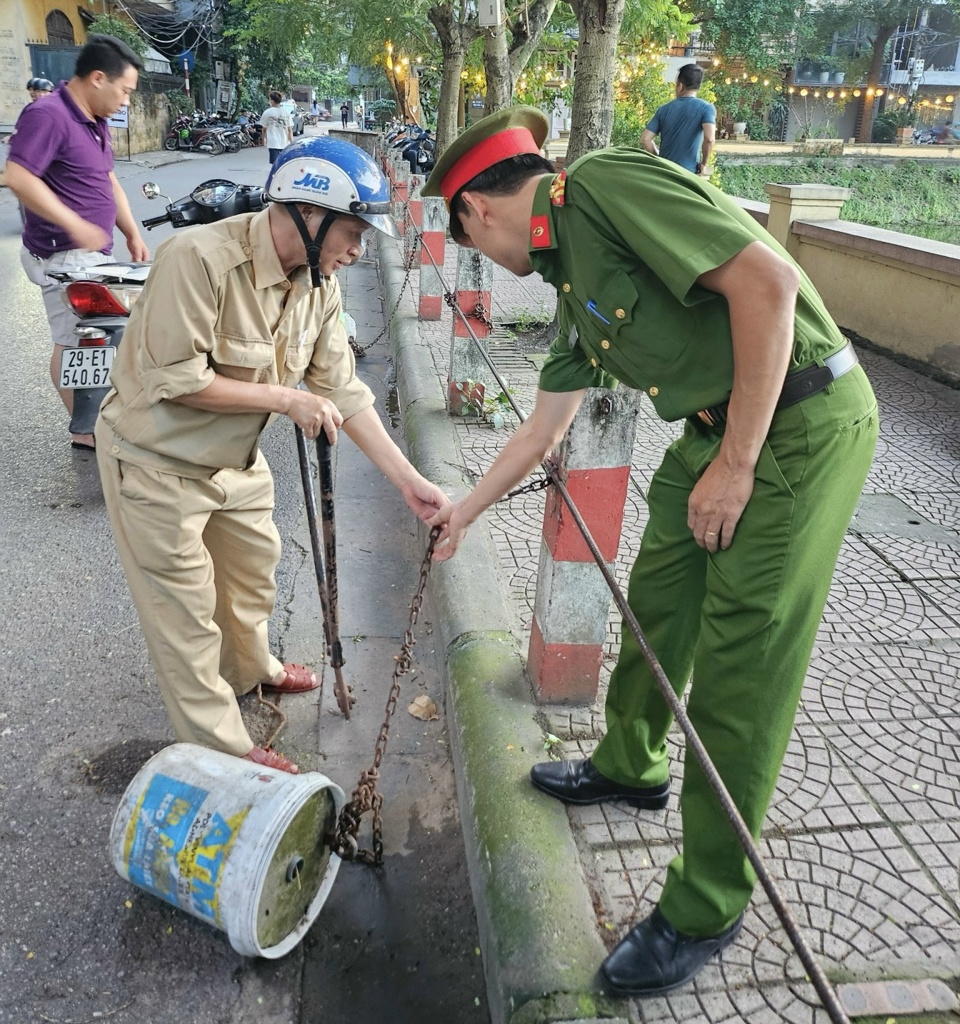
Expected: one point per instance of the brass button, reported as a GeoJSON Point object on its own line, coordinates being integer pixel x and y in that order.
{"type": "Point", "coordinates": [604, 343]}
{"type": "Point", "coordinates": [593, 362]}
{"type": "Point", "coordinates": [653, 392]}
{"type": "Point", "coordinates": [619, 314]}
{"type": "Point", "coordinates": [566, 287]}
{"type": "Point", "coordinates": [537, 232]}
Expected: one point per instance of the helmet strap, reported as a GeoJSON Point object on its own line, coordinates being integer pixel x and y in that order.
{"type": "Point", "coordinates": [312, 245]}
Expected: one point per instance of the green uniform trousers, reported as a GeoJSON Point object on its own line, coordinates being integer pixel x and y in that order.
{"type": "Point", "coordinates": [199, 557]}
{"type": "Point", "coordinates": [743, 621]}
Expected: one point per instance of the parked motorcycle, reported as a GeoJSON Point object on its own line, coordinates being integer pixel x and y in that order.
{"type": "Point", "coordinates": [420, 151]}
{"type": "Point", "coordinates": [103, 296]}
{"type": "Point", "coordinates": [198, 138]}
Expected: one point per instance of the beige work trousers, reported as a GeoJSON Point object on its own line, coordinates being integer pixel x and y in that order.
{"type": "Point", "coordinates": [199, 557]}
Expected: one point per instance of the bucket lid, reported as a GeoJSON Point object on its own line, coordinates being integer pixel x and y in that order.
{"type": "Point", "coordinates": [297, 870]}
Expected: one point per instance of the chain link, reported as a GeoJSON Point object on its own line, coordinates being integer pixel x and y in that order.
{"type": "Point", "coordinates": [535, 485]}
{"type": "Point", "coordinates": [410, 262]}
{"type": "Point", "coordinates": [366, 797]}
{"type": "Point", "coordinates": [479, 310]}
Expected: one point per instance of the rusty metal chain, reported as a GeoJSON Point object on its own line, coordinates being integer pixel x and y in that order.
{"type": "Point", "coordinates": [541, 483]}
{"type": "Point", "coordinates": [410, 262]}
{"type": "Point", "coordinates": [480, 311]}
{"type": "Point", "coordinates": [366, 797]}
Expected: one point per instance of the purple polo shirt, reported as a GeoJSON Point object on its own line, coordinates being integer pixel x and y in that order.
{"type": "Point", "coordinates": [58, 143]}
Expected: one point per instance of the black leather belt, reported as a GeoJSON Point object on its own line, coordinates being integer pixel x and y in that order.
{"type": "Point", "coordinates": [798, 385]}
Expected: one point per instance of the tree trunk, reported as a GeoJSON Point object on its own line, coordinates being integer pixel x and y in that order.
{"type": "Point", "coordinates": [528, 28]}
{"type": "Point", "coordinates": [497, 71]}
{"type": "Point", "coordinates": [592, 108]}
{"type": "Point", "coordinates": [454, 38]}
{"type": "Point", "coordinates": [868, 109]}
{"type": "Point", "coordinates": [401, 91]}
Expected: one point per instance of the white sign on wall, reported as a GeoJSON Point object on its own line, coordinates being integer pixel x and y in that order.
{"type": "Point", "coordinates": [489, 13]}
{"type": "Point", "coordinates": [120, 118]}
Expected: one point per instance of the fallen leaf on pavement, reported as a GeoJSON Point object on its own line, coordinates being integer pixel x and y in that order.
{"type": "Point", "coordinates": [423, 708]}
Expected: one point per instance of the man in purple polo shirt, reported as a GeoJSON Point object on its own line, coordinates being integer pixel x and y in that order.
{"type": "Point", "coordinates": [60, 166]}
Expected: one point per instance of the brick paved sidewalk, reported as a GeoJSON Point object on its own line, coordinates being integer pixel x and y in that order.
{"type": "Point", "coordinates": [863, 835]}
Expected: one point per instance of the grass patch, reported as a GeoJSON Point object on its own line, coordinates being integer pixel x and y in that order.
{"type": "Point", "coordinates": [913, 195]}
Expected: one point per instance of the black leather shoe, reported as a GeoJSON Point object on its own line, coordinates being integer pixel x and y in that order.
{"type": "Point", "coordinates": [578, 782]}
{"type": "Point", "coordinates": [654, 957]}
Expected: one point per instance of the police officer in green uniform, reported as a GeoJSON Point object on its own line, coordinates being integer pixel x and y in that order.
{"type": "Point", "coordinates": [665, 285]}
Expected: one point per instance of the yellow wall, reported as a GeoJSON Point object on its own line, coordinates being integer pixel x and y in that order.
{"type": "Point", "coordinates": [900, 292]}
{"type": "Point", "coordinates": [23, 22]}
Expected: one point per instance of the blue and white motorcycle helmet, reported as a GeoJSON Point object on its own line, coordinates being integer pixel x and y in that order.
{"type": "Point", "coordinates": [337, 176]}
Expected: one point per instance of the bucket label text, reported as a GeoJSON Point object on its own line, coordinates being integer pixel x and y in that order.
{"type": "Point", "coordinates": [176, 849]}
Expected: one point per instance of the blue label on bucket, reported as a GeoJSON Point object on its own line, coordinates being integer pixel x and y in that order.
{"type": "Point", "coordinates": [161, 826]}
{"type": "Point", "coordinates": [176, 850]}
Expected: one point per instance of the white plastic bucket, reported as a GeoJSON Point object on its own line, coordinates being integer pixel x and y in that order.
{"type": "Point", "coordinates": [234, 843]}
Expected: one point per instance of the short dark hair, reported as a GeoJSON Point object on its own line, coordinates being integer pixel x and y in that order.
{"type": "Point", "coordinates": [505, 178]}
{"type": "Point", "coordinates": [276, 97]}
{"type": "Point", "coordinates": [108, 54]}
{"type": "Point", "coordinates": [690, 76]}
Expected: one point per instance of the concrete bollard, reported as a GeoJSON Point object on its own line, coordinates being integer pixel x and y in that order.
{"type": "Point", "coordinates": [433, 241]}
{"type": "Point", "coordinates": [401, 189]}
{"type": "Point", "coordinates": [474, 281]}
{"type": "Point", "coordinates": [572, 603]}
{"type": "Point", "coordinates": [415, 220]}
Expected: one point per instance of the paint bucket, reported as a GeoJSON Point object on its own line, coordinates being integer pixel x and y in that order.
{"type": "Point", "coordinates": [236, 844]}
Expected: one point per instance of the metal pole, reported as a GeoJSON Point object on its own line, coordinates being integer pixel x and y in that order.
{"type": "Point", "coordinates": [343, 692]}
{"type": "Point", "coordinates": [310, 499]}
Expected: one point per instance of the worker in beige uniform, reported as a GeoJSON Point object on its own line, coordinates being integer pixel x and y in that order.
{"type": "Point", "coordinates": [231, 320]}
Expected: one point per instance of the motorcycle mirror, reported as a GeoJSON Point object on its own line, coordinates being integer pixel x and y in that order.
{"type": "Point", "coordinates": [151, 190]}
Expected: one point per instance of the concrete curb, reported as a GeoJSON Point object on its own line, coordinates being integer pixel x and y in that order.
{"type": "Point", "coordinates": [537, 925]}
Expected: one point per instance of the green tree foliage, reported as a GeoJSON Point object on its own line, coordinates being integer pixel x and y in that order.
{"type": "Point", "coordinates": [110, 25]}
{"type": "Point", "coordinates": [763, 34]}
{"type": "Point", "coordinates": [641, 90]}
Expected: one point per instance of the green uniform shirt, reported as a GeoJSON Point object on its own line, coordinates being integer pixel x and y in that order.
{"type": "Point", "coordinates": [624, 252]}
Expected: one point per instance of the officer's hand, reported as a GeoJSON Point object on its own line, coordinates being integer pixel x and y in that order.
{"type": "Point", "coordinates": [716, 504]}
{"type": "Point", "coordinates": [455, 526]}
{"type": "Point", "coordinates": [424, 498]}
{"type": "Point", "coordinates": [90, 237]}
{"type": "Point", "coordinates": [312, 414]}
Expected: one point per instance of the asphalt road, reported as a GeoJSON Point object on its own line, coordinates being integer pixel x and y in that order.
{"type": "Point", "coordinates": [80, 713]}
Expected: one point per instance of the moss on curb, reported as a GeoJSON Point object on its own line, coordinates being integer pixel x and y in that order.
{"type": "Point", "coordinates": [571, 1008]}
{"type": "Point", "coordinates": [540, 919]}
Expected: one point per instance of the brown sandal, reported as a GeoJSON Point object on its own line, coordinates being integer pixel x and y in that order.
{"type": "Point", "coordinates": [272, 759]}
{"type": "Point", "coordinates": [297, 679]}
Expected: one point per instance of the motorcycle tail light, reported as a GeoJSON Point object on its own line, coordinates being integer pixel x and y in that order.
{"type": "Point", "coordinates": [90, 298]}
{"type": "Point", "coordinates": [93, 341]}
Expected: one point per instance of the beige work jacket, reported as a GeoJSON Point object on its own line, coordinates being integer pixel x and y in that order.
{"type": "Point", "coordinates": [218, 301]}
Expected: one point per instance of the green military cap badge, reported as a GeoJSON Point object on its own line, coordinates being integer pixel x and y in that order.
{"type": "Point", "coordinates": [501, 135]}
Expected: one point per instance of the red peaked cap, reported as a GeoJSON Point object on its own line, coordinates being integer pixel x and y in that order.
{"type": "Point", "coordinates": [502, 135]}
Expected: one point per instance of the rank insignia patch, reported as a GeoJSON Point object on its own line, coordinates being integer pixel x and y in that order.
{"type": "Point", "coordinates": [540, 232]}
{"type": "Point", "coordinates": [558, 189]}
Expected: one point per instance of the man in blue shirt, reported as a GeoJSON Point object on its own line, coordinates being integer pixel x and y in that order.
{"type": "Point", "coordinates": [687, 125]}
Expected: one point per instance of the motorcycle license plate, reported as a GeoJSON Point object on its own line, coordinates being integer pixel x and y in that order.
{"type": "Point", "coordinates": [86, 367]}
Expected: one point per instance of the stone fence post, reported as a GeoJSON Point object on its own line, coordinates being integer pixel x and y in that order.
{"type": "Point", "coordinates": [468, 370]}
{"type": "Point", "coordinates": [572, 604]}
{"type": "Point", "coordinates": [433, 241]}
{"type": "Point", "coordinates": [401, 189]}
{"type": "Point", "coordinates": [415, 220]}
{"type": "Point", "coordinates": [801, 202]}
